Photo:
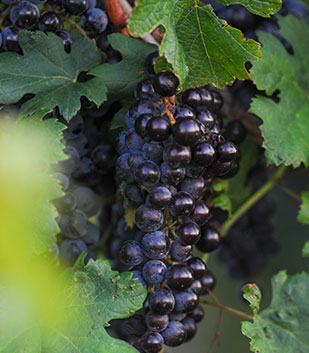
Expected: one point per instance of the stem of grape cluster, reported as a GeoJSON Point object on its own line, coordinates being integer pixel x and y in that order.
{"type": "Point", "coordinates": [227, 308]}
{"type": "Point", "coordinates": [253, 199]}
{"type": "Point", "coordinates": [78, 27]}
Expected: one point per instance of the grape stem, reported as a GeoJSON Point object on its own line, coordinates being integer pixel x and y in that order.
{"type": "Point", "coordinates": [253, 199]}
{"type": "Point", "coordinates": [227, 308]}
{"type": "Point", "coordinates": [78, 27]}
{"type": "Point", "coordinates": [290, 192]}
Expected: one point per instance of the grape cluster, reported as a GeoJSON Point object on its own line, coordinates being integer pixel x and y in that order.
{"type": "Point", "coordinates": [85, 175]}
{"type": "Point", "coordinates": [169, 155]}
{"type": "Point", "coordinates": [245, 249]}
{"type": "Point", "coordinates": [52, 16]}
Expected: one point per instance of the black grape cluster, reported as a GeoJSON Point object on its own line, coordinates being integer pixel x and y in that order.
{"type": "Point", "coordinates": [246, 247]}
{"type": "Point", "coordinates": [169, 155]}
{"type": "Point", "coordinates": [51, 16]}
{"type": "Point", "coordinates": [85, 176]}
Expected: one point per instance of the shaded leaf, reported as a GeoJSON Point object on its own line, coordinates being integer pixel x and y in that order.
{"type": "Point", "coordinates": [285, 124]}
{"type": "Point", "coordinates": [306, 249]}
{"type": "Point", "coordinates": [201, 48]}
{"type": "Point", "coordinates": [303, 215]}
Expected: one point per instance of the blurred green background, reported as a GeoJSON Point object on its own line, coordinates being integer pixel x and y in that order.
{"type": "Point", "coordinates": [292, 237]}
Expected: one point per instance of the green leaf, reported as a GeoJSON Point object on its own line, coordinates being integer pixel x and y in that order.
{"type": "Point", "coordinates": [91, 296]}
{"type": "Point", "coordinates": [201, 48]}
{"type": "Point", "coordinates": [121, 78]}
{"type": "Point", "coordinates": [284, 325]}
{"type": "Point", "coordinates": [285, 124]}
{"type": "Point", "coordinates": [222, 201]}
{"type": "Point", "coordinates": [26, 186]}
{"type": "Point", "coordinates": [263, 8]}
{"type": "Point", "coordinates": [119, 119]}
{"type": "Point", "coordinates": [253, 295]}
{"type": "Point", "coordinates": [306, 249]}
{"type": "Point", "coordinates": [303, 215]}
{"type": "Point", "coordinates": [50, 73]}
{"type": "Point", "coordinates": [238, 190]}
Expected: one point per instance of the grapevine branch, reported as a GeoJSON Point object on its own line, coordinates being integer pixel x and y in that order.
{"type": "Point", "coordinates": [227, 308]}
{"type": "Point", "coordinates": [253, 199]}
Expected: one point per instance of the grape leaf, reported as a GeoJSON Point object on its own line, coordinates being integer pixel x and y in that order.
{"type": "Point", "coordinates": [222, 201]}
{"type": "Point", "coordinates": [263, 8]}
{"type": "Point", "coordinates": [91, 295]}
{"type": "Point", "coordinates": [306, 249]}
{"type": "Point", "coordinates": [47, 71]}
{"type": "Point", "coordinates": [284, 325]}
{"type": "Point", "coordinates": [121, 78]}
{"type": "Point", "coordinates": [201, 48]}
{"type": "Point", "coordinates": [303, 215]}
{"type": "Point", "coordinates": [285, 124]}
{"type": "Point", "coordinates": [26, 186]}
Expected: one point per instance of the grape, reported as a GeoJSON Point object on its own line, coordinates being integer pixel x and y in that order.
{"type": "Point", "coordinates": [104, 158]}
{"type": "Point", "coordinates": [92, 236]}
{"type": "Point", "coordinates": [10, 39]}
{"type": "Point", "coordinates": [150, 62]}
{"type": "Point", "coordinates": [133, 141]}
{"type": "Point", "coordinates": [141, 106]}
{"type": "Point", "coordinates": [70, 251]}
{"type": "Point", "coordinates": [65, 204]}
{"type": "Point", "coordinates": [80, 143]}
{"type": "Point", "coordinates": [153, 151]}
{"type": "Point", "coordinates": [180, 252]}
{"type": "Point", "coordinates": [197, 314]}
{"type": "Point", "coordinates": [196, 287]}
{"type": "Point", "coordinates": [176, 155]}
{"type": "Point", "coordinates": [182, 204]}
{"type": "Point", "coordinates": [67, 39]}
{"type": "Point", "coordinates": [49, 22]}
{"type": "Point", "coordinates": [144, 89]}
{"type": "Point", "coordinates": [204, 154]}
{"type": "Point", "coordinates": [148, 219]}
{"type": "Point", "coordinates": [86, 173]}
{"type": "Point", "coordinates": [217, 101]}
{"type": "Point", "coordinates": [183, 111]}
{"type": "Point", "coordinates": [172, 176]}
{"type": "Point", "coordinates": [201, 212]}
{"type": "Point", "coordinates": [165, 83]}
{"type": "Point", "coordinates": [179, 277]}
{"type": "Point", "coordinates": [235, 131]}
{"type": "Point", "coordinates": [154, 272]}
{"type": "Point", "coordinates": [221, 168]}
{"type": "Point", "coordinates": [94, 21]}
{"type": "Point", "coordinates": [86, 201]}
{"type": "Point", "coordinates": [206, 117]}
{"type": "Point", "coordinates": [147, 173]}
{"type": "Point", "coordinates": [227, 151]}
{"type": "Point", "coordinates": [197, 266]}
{"type": "Point", "coordinates": [176, 316]}
{"type": "Point", "coordinates": [155, 245]}
{"type": "Point", "coordinates": [75, 7]}
{"type": "Point", "coordinates": [189, 233]}
{"type": "Point", "coordinates": [141, 124]}
{"type": "Point", "coordinates": [196, 187]}
{"type": "Point", "coordinates": [131, 253]}
{"type": "Point", "coordinates": [156, 322]}
{"type": "Point", "coordinates": [158, 128]}
{"type": "Point", "coordinates": [208, 282]}
{"type": "Point", "coordinates": [209, 240]}
{"type": "Point", "coordinates": [191, 97]}
{"type": "Point", "coordinates": [190, 327]}
{"type": "Point", "coordinates": [25, 15]}
{"type": "Point", "coordinates": [206, 97]}
{"type": "Point", "coordinates": [160, 197]}
{"type": "Point", "coordinates": [174, 335]}
{"type": "Point", "coordinates": [134, 193]}
{"type": "Point", "coordinates": [186, 131]}
{"type": "Point", "coordinates": [161, 301]}
{"type": "Point", "coordinates": [185, 301]}
{"type": "Point", "coordinates": [152, 342]}
{"type": "Point", "coordinates": [63, 180]}
{"type": "Point", "coordinates": [139, 276]}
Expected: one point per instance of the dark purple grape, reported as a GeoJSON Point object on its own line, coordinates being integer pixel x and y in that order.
{"type": "Point", "coordinates": [227, 151]}
{"type": "Point", "coordinates": [49, 22]}
{"type": "Point", "coordinates": [179, 277]}
{"type": "Point", "coordinates": [75, 127]}
{"type": "Point", "coordinates": [206, 117]}
{"type": "Point", "coordinates": [198, 314]}
{"type": "Point", "coordinates": [25, 15]}
{"type": "Point", "coordinates": [156, 245]}
{"type": "Point", "coordinates": [183, 111]}
{"type": "Point", "coordinates": [153, 151]}
{"type": "Point", "coordinates": [182, 204]}
{"type": "Point", "coordinates": [152, 342]}
{"type": "Point", "coordinates": [135, 159]}
{"type": "Point", "coordinates": [75, 7]}
{"type": "Point", "coordinates": [196, 287]}
{"type": "Point", "coordinates": [196, 187]}
{"type": "Point", "coordinates": [193, 170]}
{"type": "Point", "coordinates": [191, 97]}
{"type": "Point", "coordinates": [204, 154]}
{"type": "Point", "coordinates": [133, 141]}
{"type": "Point", "coordinates": [201, 213]}
{"type": "Point", "coordinates": [165, 83]}
{"type": "Point", "coordinates": [94, 21]}
{"type": "Point", "coordinates": [190, 327]}
{"type": "Point", "coordinates": [176, 155]}
{"type": "Point", "coordinates": [67, 39]}
{"type": "Point", "coordinates": [209, 240]}
{"type": "Point", "coordinates": [156, 322]}
{"type": "Point", "coordinates": [235, 131]}
{"type": "Point", "coordinates": [134, 193]}
{"type": "Point", "coordinates": [158, 128]}
{"type": "Point", "coordinates": [185, 301]}
{"type": "Point", "coordinates": [10, 39]}
{"type": "Point", "coordinates": [147, 173]}
{"type": "Point", "coordinates": [86, 173]}
{"type": "Point", "coordinates": [186, 131]}
{"type": "Point", "coordinates": [150, 62]}
{"type": "Point", "coordinates": [174, 335]}
{"type": "Point", "coordinates": [141, 106]}
{"type": "Point", "coordinates": [104, 158]}
{"type": "Point", "coordinates": [87, 201]}
{"type": "Point", "coordinates": [65, 204]}
{"type": "Point", "coordinates": [206, 97]}
{"type": "Point", "coordinates": [139, 276]}
{"type": "Point", "coordinates": [154, 272]}
{"type": "Point", "coordinates": [189, 232]}
{"type": "Point", "coordinates": [131, 253]}
{"type": "Point", "coordinates": [160, 197]}
{"type": "Point", "coordinates": [180, 252]}
{"type": "Point", "coordinates": [217, 101]}
{"type": "Point", "coordinates": [141, 123]}
{"type": "Point", "coordinates": [144, 89]}
{"type": "Point", "coordinates": [197, 266]}
{"type": "Point", "coordinates": [172, 176]}
{"type": "Point", "coordinates": [161, 301]}
{"type": "Point", "coordinates": [221, 168]}
{"type": "Point", "coordinates": [148, 218]}
{"type": "Point", "coordinates": [208, 282]}
{"type": "Point", "coordinates": [70, 251]}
